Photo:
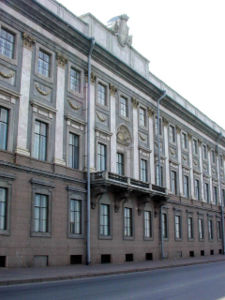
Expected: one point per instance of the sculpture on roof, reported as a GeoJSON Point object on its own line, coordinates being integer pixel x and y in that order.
{"type": "Point", "coordinates": [118, 25]}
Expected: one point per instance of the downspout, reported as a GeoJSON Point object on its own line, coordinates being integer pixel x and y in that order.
{"type": "Point", "coordinates": [159, 169]}
{"type": "Point", "coordinates": [88, 242]}
{"type": "Point", "coordinates": [222, 201]}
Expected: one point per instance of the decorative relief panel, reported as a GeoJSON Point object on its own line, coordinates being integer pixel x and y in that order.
{"type": "Point", "coordinates": [123, 136]}
{"type": "Point", "coordinates": [102, 119]}
{"type": "Point", "coordinates": [196, 164]}
{"type": "Point", "coordinates": [185, 159]}
{"type": "Point", "coordinates": [75, 125]}
{"type": "Point", "coordinates": [42, 91]}
{"type": "Point", "coordinates": [75, 107]}
{"type": "Point", "coordinates": [7, 75]}
{"type": "Point", "coordinates": [173, 153]}
{"type": "Point", "coordinates": [143, 138]}
{"type": "Point", "coordinates": [103, 136]}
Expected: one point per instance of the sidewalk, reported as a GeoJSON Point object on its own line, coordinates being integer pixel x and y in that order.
{"type": "Point", "coordinates": [10, 276]}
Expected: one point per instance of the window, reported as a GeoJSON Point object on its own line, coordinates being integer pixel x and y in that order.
{"type": "Point", "coordinates": [142, 117]}
{"type": "Point", "coordinates": [104, 220]}
{"type": "Point", "coordinates": [221, 161]}
{"type": "Point", "coordinates": [204, 150]}
{"type": "Point", "coordinates": [75, 80]}
{"type": "Point", "coordinates": [213, 157]}
{"type": "Point", "coordinates": [123, 107]}
{"type": "Point", "coordinates": [195, 146]}
{"type": "Point", "coordinates": [201, 228]}
{"type": "Point", "coordinates": [215, 195]}
{"type": "Point", "coordinates": [73, 151]}
{"type": "Point", "coordinates": [41, 213]}
{"type": "Point", "coordinates": [159, 176]}
{"type": "Point", "coordinates": [101, 159]}
{"type": "Point", "coordinates": [210, 229]}
{"type": "Point", "coordinates": [186, 186]}
{"type": "Point", "coordinates": [219, 233]}
{"type": "Point", "coordinates": [164, 226]}
{"type": "Point", "coordinates": [172, 134]}
{"type": "Point", "coordinates": [156, 126]}
{"type": "Point", "coordinates": [101, 95]}
{"type": "Point", "coordinates": [3, 208]}
{"type": "Point", "coordinates": [128, 230]}
{"type": "Point", "coordinates": [7, 43]}
{"type": "Point", "coordinates": [144, 170]}
{"type": "Point", "coordinates": [190, 228]}
{"type": "Point", "coordinates": [173, 175]}
{"type": "Point", "coordinates": [4, 119]}
{"type": "Point", "coordinates": [120, 164]}
{"type": "Point", "coordinates": [40, 140]}
{"type": "Point", "coordinates": [197, 189]}
{"type": "Point", "coordinates": [178, 227]}
{"type": "Point", "coordinates": [147, 224]}
{"type": "Point", "coordinates": [184, 140]}
{"type": "Point", "coordinates": [223, 197]}
{"type": "Point", "coordinates": [206, 186]}
{"type": "Point", "coordinates": [44, 63]}
{"type": "Point", "coordinates": [75, 216]}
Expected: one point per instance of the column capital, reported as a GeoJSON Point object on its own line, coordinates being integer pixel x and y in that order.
{"type": "Point", "coordinates": [134, 102]}
{"type": "Point", "coordinates": [93, 77]}
{"type": "Point", "coordinates": [28, 40]}
{"type": "Point", "coordinates": [178, 129]}
{"type": "Point", "coordinates": [165, 121]}
{"type": "Point", "coordinates": [112, 89]}
{"type": "Point", "coordinates": [150, 112]}
{"type": "Point", "coordinates": [199, 142]}
{"type": "Point", "coordinates": [61, 60]}
{"type": "Point", "coordinates": [189, 136]}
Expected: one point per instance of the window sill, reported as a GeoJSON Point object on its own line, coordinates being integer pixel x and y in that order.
{"type": "Point", "coordinates": [105, 237]}
{"type": "Point", "coordinates": [41, 234]}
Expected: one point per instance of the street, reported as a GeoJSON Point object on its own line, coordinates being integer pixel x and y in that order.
{"type": "Point", "coordinates": [204, 281]}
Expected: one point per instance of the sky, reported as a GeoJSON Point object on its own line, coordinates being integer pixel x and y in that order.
{"type": "Point", "coordinates": [184, 40]}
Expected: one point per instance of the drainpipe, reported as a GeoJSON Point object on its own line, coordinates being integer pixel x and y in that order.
{"type": "Point", "coordinates": [222, 201]}
{"type": "Point", "coordinates": [88, 248]}
{"type": "Point", "coordinates": [159, 169]}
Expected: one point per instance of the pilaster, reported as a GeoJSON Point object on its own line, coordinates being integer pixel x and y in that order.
{"type": "Point", "coordinates": [151, 144]}
{"type": "Point", "coordinates": [210, 175]}
{"type": "Point", "coordinates": [191, 166]}
{"type": "Point", "coordinates": [201, 170]}
{"type": "Point", "coordinates": [135, 139]}
{"type": "Point", "coordinates": [22, 147]}
{"type": "Point", "coordinates": [60, 96]}
{"type": "Point", "coordinates": [166, 145]}
{"type": "Point", "coordinates": [180, 176]}
{"type": "Point", "coordinates": [113, 145]}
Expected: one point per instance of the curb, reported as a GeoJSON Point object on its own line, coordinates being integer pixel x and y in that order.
{"type": "Point", "coordinates": [97, 274]}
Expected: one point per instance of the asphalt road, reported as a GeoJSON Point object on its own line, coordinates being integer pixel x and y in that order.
{"type": "Point", "coordinates": [193, 282]}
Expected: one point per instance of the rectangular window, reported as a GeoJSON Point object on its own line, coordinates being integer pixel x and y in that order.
{"type": "Point", "coordinates": [123, 107]}
{"type": "Point", "coordinates": [44, 63]}
{"type": "Point", "coordinates": [75, 216]}
{"type": "Point", "coordinates": [40, 140]}
{"type": "Point", "coordinates": [178, 227]}
{"type": "Point", "coordinates": [197, 189]}
{"type": "Point", "coordinates": [173, 175]}
{"type": "Point", "coordinates": [120, 164]}
{"type": "Point", "coordinates": [104, 220]}
{"type": "Point", "coordinates": [204, 150]}
{"type": "Point", "coordinates": [210, 229]}
{"type": "Point", "coordinates": [41, 213]}
{"type": "Point", "coordinates": [73, 151]}
{"type": "Point", "coordinates": [159, 177]}
{"type": "Point", "coordinates": [215, 195]}
{"type": "Point", "coordinates": [190, 228]}
{"type": "Point", "coordinates": [184, 140]}
{"type": "Point", "coordinates": [186, 186]}
{"type": "Point", "coordinates": [201, 228]}
{"type": "Point", "coordinates": [172, 134]}
{"type": "Point", "coordinates": [213, 157]}
{"type": "Point", "coordinates": [221, 161]}
{"type": "Point", "coordinates": [164, 226]}
{"type": "Point", "coordinates": [144, 170]}
{"type": "Point", "coordinates": [128, 230]}
{"type": "Point", "coordinates": [195, 146]}
{"type": "Point", "coordinates": [219, 233]}
{"type": "Point", "coordinates": [207, 198]}
{"type": "Point", "coordinates": [147, 224]}
{"type": "Point", "coordinates": [75, 80]}
{"type": "Point", "coordinates": [142, 117]}
{"type": "Point", "coordinates": [156, 126]}
{"type": "Point", "coordinates": [3, 208]}
{"type": "Point", "coordinates": [4, 123]}
{"type": "Point", "coordinates": [7, 43]}
{"type": "Point", "coordinates": [101, 159]}
{"type": "Point", "coordinates": [101, 94]}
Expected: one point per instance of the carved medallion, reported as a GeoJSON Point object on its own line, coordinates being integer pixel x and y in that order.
{"type": "Point", "coordinates": [123, 136]}
{"type": "Point", "coordinates": [74, 106]}
{"type": "Point", "coordinates": [101, 117]}
{"type": "Point", "coordinates": [42, 90]}
{"type": "Point", "coordinates": [7, 76]}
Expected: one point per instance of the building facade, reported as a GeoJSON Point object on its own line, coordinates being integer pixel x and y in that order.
{"type": "Point", "coordinates": [157, 188]}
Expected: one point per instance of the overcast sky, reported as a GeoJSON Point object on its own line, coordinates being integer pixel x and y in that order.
{"type": "Point", "coordinates": [184, 40]}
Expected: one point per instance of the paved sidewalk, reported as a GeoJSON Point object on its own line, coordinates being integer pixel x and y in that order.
{"type": "Point", "coordinates": [10, 276]}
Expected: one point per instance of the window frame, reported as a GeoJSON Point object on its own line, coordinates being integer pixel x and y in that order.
{"type": "Point", "coordinates": [131, 225]}
{"type": "Point", "coordinates": [201, 225]}
{"type": "Point", "coordinates": [174, 187]}
{"type": "Point", "coordinates": [204, 152]}
{"type": "Point", "coordinates": [210, 229]}
{"type": "Point", "coordinates": [47, 140]}
{"type": "Point", "coordinates": [72, 166]}
{"type": "Point", "coordinates": [195, 146]}
{"type": "Point", "coordinates": [16, 34]}
{"type": "Point", "coordinates": [150, 223]}
{"type": "Point", "coordinates": [164, 226]}
{"type": "Point", "coordinates": [172, 134]}
{"type": "Point", "coordinates": [190, 233]}
{"type": "Point", "coordinates": [179, 218]}
{"type": "Point", "coordinates": [197, 195]}
{"type": "Point", "coordinates": [145, 170]}
{"type": "Point", "coordinates": [118, 153]}
{"type": "Point", "coordinates": [7, 125]}
{"type": "Point", "coordinates": [100, 83]}
{"type": "Point", "coordinates": [108, 225]}
{"type": "Point", "coordinates": [186, 195]}
{"type": "Point", "coordinates": [127, 113]}
{"type": "Point", "coordinates": [71, 91]}
{"type": "Point", "coordinates": [207, 192]}
{"type": "Point", "coordinates": [142, 121]}
{"type": "Point", "coordinates": [184, 141]}
{"type": "Point", "coordinates": [52, 64]}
